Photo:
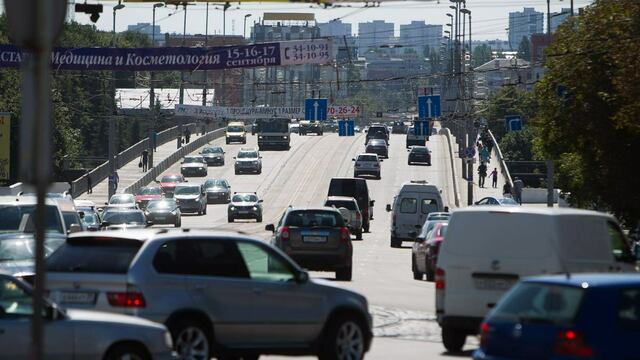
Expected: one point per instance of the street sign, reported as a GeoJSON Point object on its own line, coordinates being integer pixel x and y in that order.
{"type": "Point", "coordinates": [513, 122]}
{"type": "Point", "coordinates": [428, 106]}
{"type": "Point", "coordinates": [470, 152]}
{"type": "Point", "coordinates": [315, 109]}
{"type": "Point", "coordinates": [346, 128]}
{"type": "Point", "coordinates": [344, 111]}
{"type": "Point", "coordinates": [421, 128]}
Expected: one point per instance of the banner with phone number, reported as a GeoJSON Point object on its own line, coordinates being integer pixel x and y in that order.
{"type": "Point", "coordinates": [180, 58]}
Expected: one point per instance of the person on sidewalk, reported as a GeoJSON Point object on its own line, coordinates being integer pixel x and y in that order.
{"type": "Point", "coordinates": [116, 178]}
{"type": "Point", "coordinates": [144, 159]}
{"type": "Point", "coordinates": [518, 185]}
{"type": "Point", "coordinates": [494, 178]}
{"type": "Point", "coordinates": [484, 154]}
{"type": "Point", "coordinates": [187, 135]}
{"type": "Point", "coordinates": [482, 172]}
{"type": "Point", "coordinates": [89, 183]}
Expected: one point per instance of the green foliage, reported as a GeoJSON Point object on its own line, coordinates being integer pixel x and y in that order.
{"type": "Point", "coordinates": [524, 49]}
{"type": "Point", "coordinates": [591, 130]}
{"type": "Point", "coordinates": [481, 55]}
{"type": "Point", "coordinates": [508, 101]}
{"type": "Point", "coordinates": [517, 145]}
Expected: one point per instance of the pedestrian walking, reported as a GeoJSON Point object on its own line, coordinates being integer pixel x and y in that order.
{"type": "Point", "coordinates": [494, 178]}
{"type": "Point", "coordinates": [89, 183]}
{"type": "Point", "coordinates": [484, 154]}
{"type": "Point", "coordinates": [155, 141]}
{"type": "Point", "coordinates": [144, 160]}
{"type": "Point", "coordinates": [482, 172]}
{"type": "Point", "coordinates": [116, 178]}
{"type": "Point", "coordinates": [518, 185]}
{"type": "Point", "coordinates": [187, 135]}
{"type": "Point", "coordinates": [204, 129]}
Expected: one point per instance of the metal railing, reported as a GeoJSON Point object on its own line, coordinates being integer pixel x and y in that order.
{"type": "Point", "coordinates": [79, 186]}
{"type": "Point", "coordinates": [503, 164]}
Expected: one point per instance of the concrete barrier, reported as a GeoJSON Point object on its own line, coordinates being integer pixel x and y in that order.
{"type": "Point", "coordinates": [456, 193]}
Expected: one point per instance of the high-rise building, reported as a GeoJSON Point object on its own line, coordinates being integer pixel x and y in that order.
{"type": "Point", "coordinates": [559, 18]}
{"type": "Point", "coordinates": [335, 29]}
{"type": "Point", "coordinates": [420, 36]}
{"type": "Point", "coordinates": [524, 24]}
{"type": "Point", "coordinates": [372, 35]}
{"type": "Point", "coordinates": [147, 29]}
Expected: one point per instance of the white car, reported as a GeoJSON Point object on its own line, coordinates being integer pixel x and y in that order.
{"type": "Point", "coordinates": [76, 334]}
{"type": "Point", "coordinates": [367, 164]}
{"type": "Point", "coordinates": [350, 211]}
{"type": "Point", "coordinates": [194, 165]}
{"type": "Point", "coordinates": [123, 201]}
{"type": "Point", "coordinates": [248, 160]}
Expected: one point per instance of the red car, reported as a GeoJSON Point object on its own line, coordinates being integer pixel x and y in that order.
{"type": "Point", "coordinates": [146, 194]}
{"type": "Point", "coordinates": [169, 181]}
{"type": "Point", "coordinates": [425, 252]}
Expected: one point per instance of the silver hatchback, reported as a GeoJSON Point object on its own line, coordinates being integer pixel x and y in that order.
{"type": "Point", "coordinates": [220, 294]}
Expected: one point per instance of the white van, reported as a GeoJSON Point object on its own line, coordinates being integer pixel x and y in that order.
{"type": "Point", "coordinates": [415, 201]}
{"type": "Point", "coordinates": [488, 248]}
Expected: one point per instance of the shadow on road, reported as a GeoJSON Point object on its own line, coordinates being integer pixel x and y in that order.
{"type": "Point", "coordinates": [465, 354]}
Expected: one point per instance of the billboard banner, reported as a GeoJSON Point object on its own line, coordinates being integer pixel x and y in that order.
{"type": "Point", "coordinates": [180, 58]}
{"type": "Point", "coordinates": [290, 112]}
{"type": "Point", "coordinates": [5, 146]}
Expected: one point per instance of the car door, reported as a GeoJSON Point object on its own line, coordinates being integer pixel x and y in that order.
{"type": "Point", "coordinates": [407, 217]}
{"type": "Point", "coordinates": [218, 282]}
{"type": "Point", "coordinates": [15, 326]}
{"type": "Point", "coordinates": [284, 311]}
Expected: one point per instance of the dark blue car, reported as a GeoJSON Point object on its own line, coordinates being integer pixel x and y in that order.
{"type": "Point", "coordinates": [585, 316]}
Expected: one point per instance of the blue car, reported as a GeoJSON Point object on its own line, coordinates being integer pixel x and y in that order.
{"type": "Point", "coordinates": [585, 316]}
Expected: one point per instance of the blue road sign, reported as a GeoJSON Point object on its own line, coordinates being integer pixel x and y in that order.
{"type": "Point", "coordinates": [346, 128]}
{"type": "Point", "coordinates": [421, 128]}
{"type": "Point", "coordinates": [513, 122]}
{"type": "Point", "coordinates": [315, 109]}
{"type": "Point", "coordinates": [470, 152]}
{"type": "Point", "coordinates": [428, 106]}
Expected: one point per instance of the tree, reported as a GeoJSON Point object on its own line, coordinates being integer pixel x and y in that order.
{"type": "Point", "coordinates": [508, 101]}
{"type": "Point", "coordinates": [588, 118]}
{"type": "Point", "coordinates": [524, 49]}
{"type": "Point", "coordinates": [517, 145]}
{"type": "Point", "coordinates": [481, 55]}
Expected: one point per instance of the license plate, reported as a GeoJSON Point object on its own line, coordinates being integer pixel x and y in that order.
{"type": "Point", "coordinates": [494, 283]}
{"type": "Point", "coordinates": [161, 217]}
{"type": "Point", "coordinates": [314, 239]}
{"type": "Point", "coordinates": [78, 297]}
{"type": "Point", "coordinates": [243, 212]}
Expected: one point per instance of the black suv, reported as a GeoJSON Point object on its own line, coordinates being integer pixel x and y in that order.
{"type": "Point", "coordinates": [357, 189]}
{"type": "Point", "coordinates": [377, 132]}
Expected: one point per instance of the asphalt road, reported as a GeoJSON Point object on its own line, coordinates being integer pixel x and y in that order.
{"type": "Point", "coordinates": [403, 308]}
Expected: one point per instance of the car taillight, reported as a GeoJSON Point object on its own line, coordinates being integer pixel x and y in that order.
{"type": "Point", "coordinates": [344, 234]}
{"type": "Point", "coordinates": [126, 299]}
{"type": "Point", "coordinates": [484, 332]}
{"type": "Point", "coordinates": [284, 233]}
{"type": "Point", "coordinates": [571, 343]}
{"type": "Point", "coordinates": [439, 278]}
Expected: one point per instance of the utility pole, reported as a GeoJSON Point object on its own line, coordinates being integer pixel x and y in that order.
{"type": "Point", "coordinates": [112, 129]}
{"type": "Point", "coordinates": [206, 42]}
{"type": "Point", "coordinates": [224, 39]}
{"type": "Point", "coordinates": [548, 17]}
{"type": "Point", "coordinates": [184, 38]}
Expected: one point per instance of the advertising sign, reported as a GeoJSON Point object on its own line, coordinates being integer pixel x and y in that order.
{"type": "Point", "coordinates": [291, 112]}
{"type": "Point", "coordinates": [349, 111]}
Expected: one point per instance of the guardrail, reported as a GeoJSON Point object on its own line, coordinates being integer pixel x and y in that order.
{"type": "Point", "coordinates": [503, 164]}
{"type": "Point", "coordinates": [79, 186]}
{"type": "Point", "coordinates": [163, 165]}
{"type": "Point", "coordinates": [456, 192]}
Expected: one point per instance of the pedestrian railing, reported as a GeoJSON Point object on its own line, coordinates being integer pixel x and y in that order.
{"type": "Point", "coordinates": [456, 193]}
{"type": "Point", "coordinates": [503, 164]}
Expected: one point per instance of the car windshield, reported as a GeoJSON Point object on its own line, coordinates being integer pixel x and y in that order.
{"type": "Point", "coordinates": [377, 130]}
{"type": "Point", "coordinates": [162, 204]}
{"type": "Point", "coordinates": [376, 142]}
{"type": "Point", "coordinates": [121, 217]}
{"type": "Point", "coordinates": [121, 199]}
{"type": "Point", "coordinates": [192, 160]}
{"type": "Point", "coordinates": [247, 155]}
{"type": "Point", "coordinates": [102, 255]}
{"type": "Point", "coordinates": [13, 216]}
{"type": "Point", "coordinates": [215, 150]}
{"type": "Point", "coordinates": [171, 178]}
{"type": "Point", "coordinates": [272, 125]}
{"type": "Point", "coordinates": [244, 198]}
{"type": "Point", "coordinates": [367, 158]}
{"type": "Point", "coordinates": [188, 190]}
{"type": "Point", "coordinates": [90, 218]}
{"type": "Point", "coordinates": [215, 183]}
{"type": "Point", "coordinates": [314, 218]}
{"type": "Point", "coordinates": [24, 249]}
{"type": "Point", "coordinates": [151, 191]}
{"type": "Point", "coordinates": [420, 150]}
{"type": "Point", "coordinates": [349, 205]}
{"type": "Point", "coordinates": [539, 302]}
{"type": "Point", "coordinates": [235, 129]}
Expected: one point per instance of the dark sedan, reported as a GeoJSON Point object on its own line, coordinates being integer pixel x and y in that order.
{"type": "Point", "coordinates": [124, 219]}
{"type": "Point", "coordinates": [425, 252]}
{"type": "Point", "coordinates": [419, 154]}
{"type": "Point", "coordinates": [213, 155]}
{"type": "Point", "coordinates": [165, 212]}
{"type": "Point", "coordinates": [378, 146]}
{"type": "Point", "coordinates": [218, 191]}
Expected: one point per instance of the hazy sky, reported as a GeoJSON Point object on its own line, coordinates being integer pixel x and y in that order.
{"type": "Point", "coordinates": [490, 17]}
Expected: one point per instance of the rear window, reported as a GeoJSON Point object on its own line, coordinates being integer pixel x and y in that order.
{"type": "Point", "coordinates": [355, 188]}
{"type": "Point", "coordinates": [12, 216]}
{"type": "Point", "coordinates": [540, 303]}
{"type": "Point", "coordinates": [408, 206]}
{"type": "Point", "coordinates": [313, 218]}
{"type": "Point", "coordinates": [171, 178]}
{"type": "Point", "coordinates": [349, 205]}
{"type": "Point", "coordinates": [151, 191]}
{"type": "Point", "coordinates": [122, 199]}
{"type": "Point", "coordinates": [429, 206]}
{"type": "Point", "coordinates": [111, 256]}
{"type": "Point", "coordinates": [367, 158]}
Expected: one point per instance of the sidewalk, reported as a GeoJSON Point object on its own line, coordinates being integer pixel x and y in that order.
{"type": "Point", "coordinates": [130, 173]}
{"type": "Point", "coordinates": [478, 192]}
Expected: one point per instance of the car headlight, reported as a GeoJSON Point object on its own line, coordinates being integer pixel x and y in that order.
{"type": "Point", "coordinates": [254, 208]}
{"type": "Point", "coordinates": [255, 163]}
{"type": "Point", "coordinates": [260, 137]}
{"type": "Point", "coordinates": [168, 341]}
{"type": "Point", "coordinates": [285, 137]}
{"type": "Point", "coordinates": [232, 208]}
{"type": "Point", "coordinates": [174, 212]}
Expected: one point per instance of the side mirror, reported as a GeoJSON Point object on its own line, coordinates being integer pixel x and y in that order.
{"type": "Point", "coordinates": [388, 208]}
{"type": "Point", "coordinates": [260, 200]}
{"type": "Point", "coordinates": [446, 209]}
{"type": "Point", "coordinates": [372, 202]}
{"type": "Point", "coordinates": [74, 228]}
{"type": "Point", "coordinates": [270, 227]}
{"type": "Point", "coordinates": [81, 214]}
{"type": "Point", "coordinates": [185, 180]}
{"type": "Point", "coordinates": [302, 277]}
{"type": "Point", "coordinates": [53, 313]}
{"type": "Point", "coordinates": [420, 239]}
{"type": "Point", "coordinates": [156, 181]}
{"type": "Point", "coordinates": [234, 157]}
{"type": "Point", "coordinates": [105, 224]}
{"type": "Point", "coordinates": [381, 160]}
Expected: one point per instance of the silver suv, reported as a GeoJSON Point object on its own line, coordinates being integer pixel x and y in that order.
{"type": "Point", "coordinates": [248, 160]}
{"type": "Point", "coordinates": [219, 294]}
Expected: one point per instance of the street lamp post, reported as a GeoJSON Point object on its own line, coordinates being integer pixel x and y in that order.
{"type": "Point", "coordinates": [244, 27]}
{"type": "Point", "coordinates": [111, 138]}
{"type": "Point", "coordinates": [184, 39]}
{"type": "Point", "coordinates": [206, 42]}
{"type": "Point", "coordinates": [152, 94]}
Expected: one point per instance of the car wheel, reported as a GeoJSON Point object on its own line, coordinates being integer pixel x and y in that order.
{"type": "Point", "coordinates": [344, 339]}
{"type": "Point", "coordinates": [453, 339]}
{"type": "Point", "coordinates": [205, 210]}
{"type": "Point", "coordinates": [237, 172]}
{"type": "Point", "coordinates": [395, 243]}
{"type": "Point", "coordinates": [408, 162]}
{"type": "Point", "coordinates": [127, 351]}
{"type": "Point", "coordinates": [359, 235]}
{"type": "Point", "coordinates": [229, 219]}
{"type": "Point", "coordinates": [259, 219]}
{"type": "Point", "coordinates": [191, 340]}
{"type": "Point", "coordinates": [344, 274]}
{"type": "Point", "coordinates": [417, 275]}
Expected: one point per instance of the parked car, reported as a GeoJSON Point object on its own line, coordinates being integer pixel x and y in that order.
{"type": "Point", "coordinates": [377, 146]}
{"type": "Point", "coordinates": [487, 249]}
{"type": "Point", "coordinates": [164, 211]}
{"type": "Point", "coordinates": [490, 200]}
{"type": "Point", "coordinates": [367, 164]}
{"type": "Point", "coordinates": [213, 155]}
{"type": "Point", "coordinates": [75, 334]}
{"type": "Point", "coordinates": [193, 165]}
{"type": "Point", "coordinates": [357, 189]}
{"type": "Point", "coordinates": [146, 194]}
{"type": "Point", "coordinates": [294, 128]}
{"type": "Point", "coordinates": [419, 154]}
{"type": "Point", "coordinates": [316, 238]}
{"type": "Point", "coordinates": [424, 253]}
{"type": "Point", "coordinates": [218, 190]}
{"type": "Point", "coordinates": [350, 211]}
{"type": "Point", "coordinates": [191, 198]}
{"type": "Point", "coordinates": [586, 316]}
{"type": "Point", "coordinates": [194, 282]}
{"type": "Point", "coordinates": [124, 219]}
{"type": "Point", "coordinates": [414, 202]}
{"type": "Point", "coordinates": [248, 160]}
{"type": "Point", "coordinates": [244, 206]}
{"type": "Point", "coordinates": [169, 181]}
{"type": "Point", "coordinates": [123, 201]}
